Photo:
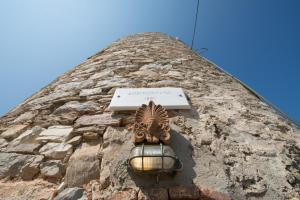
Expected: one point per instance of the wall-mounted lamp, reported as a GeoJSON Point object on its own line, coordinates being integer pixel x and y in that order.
{"type": "Point", "coordinates": [152, 133]}
{"type": "Point", "coordinates": [154, 158]}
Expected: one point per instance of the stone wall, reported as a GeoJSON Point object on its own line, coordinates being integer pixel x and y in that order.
{"type": "Point", "coordinates": [233, 145]}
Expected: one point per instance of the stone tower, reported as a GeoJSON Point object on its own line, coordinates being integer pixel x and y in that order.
{"type": "Point", "coordinates": [62, 142]}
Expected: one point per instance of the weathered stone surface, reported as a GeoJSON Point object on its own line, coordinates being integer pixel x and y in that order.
{"type": "Point", "coordinates": [84, 166]}
{"type": "Point", "coordinates": [184, 193]}
{"type": "Point", "coordinates": [75, 85]}
{"type": "Point", "coordinates": [31, 169]}
{"type": "Point", "coordinates": [105, 177]}
{"type": "Point", "coordinates": [90, 136]}
{"type": "Point", "coordinates": [56, 150]}
{"type": "Point", "coordinates": [3, 143]}
{"type": "Point", "coordinates": [49, 120]}
{"type": "Point", "coordinates": [75, 140]}
{"type": "Point", "coordinates": [59, 95]}
{"type": "Point", "coordinates": [25, 117]}
{"type": "Point", "coordinates": [75, 193]}
{"type": "Point", "coordinates": [97, 129]}
{"type": "Point", "coordinates": [156, 67]}
{"type": "Point", "coordinates": [68, 86]}
{"type": "Point", "coordinates": [93, 190]}
{"type": "Point", "coordinates": [206, 139]}
{"type": "Point", "coordinates": [153, 194]}
{"type": "Point", "coordinates": [26, 190]}
{"type": "Point", "coordinates": [26, 148]}
{"type": "Point", "coordinates": [103, 74]}
{"type": "Point", "coordinates": [106, 119]}
{"type": "Point", "coordinates": [11, 165]}
{"type": "Point", "coordinates": [13, 132]}
{"type": "Point", "coordinates": [114, 136]}
{"type": "Point", "coordinates": [28, 136]}
{"type": "Point", "coordinates": [164, 83]}
{"type": "Point", "coordinates": [145, 74]}
{"type": "Point", "coordinates": [116, 146]}
{"type": "Point", "coordinates": [175, 75]}
{"type": "Point", "coordinates": [26, 142]}
{"type": "Point", "coordinates": [142, 60]}
{"type": "Point", "coordinates": [115, 81]}
{"type": "Point", "coordinates": [56, 134]}
{"type": "Point", "coordinates": [90, 92]}
{"type": "Point", "coordinates": [210, 194]}
{"type": "Point", "coordinates": [52, 169]}
{"type": "Point", "coordinates": [75, 106]}
{"type": "Point", "coordinates": [128, 193]}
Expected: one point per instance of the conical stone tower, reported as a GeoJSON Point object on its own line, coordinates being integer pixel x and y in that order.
{"type": "Point", "coordinates": [63, 143]}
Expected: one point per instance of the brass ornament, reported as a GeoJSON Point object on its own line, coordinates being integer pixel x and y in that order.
{"type": "Point", "coordinates": [151, 124]}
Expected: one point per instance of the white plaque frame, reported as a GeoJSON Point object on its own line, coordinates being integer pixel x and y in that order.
{"type": "Point", "coordinates": [133, 98]}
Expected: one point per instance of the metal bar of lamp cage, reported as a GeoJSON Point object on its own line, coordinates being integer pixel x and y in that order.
{"type": "Point", "coordinates": [162, 156]}
{"type": "Point", "coordinates": [143, 157]}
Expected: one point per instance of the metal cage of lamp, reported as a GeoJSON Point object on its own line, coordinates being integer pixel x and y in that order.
{"type": "Point", "coordinates": [154, 158]}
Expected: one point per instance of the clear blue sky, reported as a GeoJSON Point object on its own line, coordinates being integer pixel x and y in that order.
{"type": "Point", "coordinates": [255, 40]}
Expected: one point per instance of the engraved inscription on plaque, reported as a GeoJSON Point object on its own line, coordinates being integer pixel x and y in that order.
{"type": "Point", "coordinates": [133, 98]}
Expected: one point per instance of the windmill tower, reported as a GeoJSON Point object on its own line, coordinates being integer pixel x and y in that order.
{"type": "Point", "coordinates": [64, 142]}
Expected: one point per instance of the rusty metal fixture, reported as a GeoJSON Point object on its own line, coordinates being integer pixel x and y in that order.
{"type": "Point", "coordinates": [151, 124]}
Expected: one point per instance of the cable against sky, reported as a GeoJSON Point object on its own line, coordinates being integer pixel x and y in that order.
{"type": "Point", "coordinates": [195, 24]}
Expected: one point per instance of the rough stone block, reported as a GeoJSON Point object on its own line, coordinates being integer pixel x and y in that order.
{"type": "Point", "coordinates": [56, 134]}
{"type": "Point", "coordinates": [128, 194]}
{"type": "Point", "coordinates": [210, 194]}
{"type": "Point", "coordinates": [26, 148]}
{"type": "Point", "coordinates": [30, 170]}
{"type": "Point", "coordinates": [104, 177]}
{"type": "Point", "coordinates": [72, 194]}
{"type": "Point", "coordinates": [13, 131]}
{"type": "Point", "coordinates": [11, 164]}
{"type": "Point", "coordinates": [90, 136]}
{"type": "Point", "coordinates": [28, 136]}
{"type": "Point", "coordinates": [75, 85]}
{"type": "Point", "coordinates": [37, 103]}
{"type": "Point", "coordinates": [83, 166]}
{"type": "Point", "coordinates": [56, 150]}
{"type": "Point", "coordinates": [75, 140]}
{"type": "Point", "coordinates": [96, 129]}
{"type": "Point", "coordinates": [105, 119]}
{"type": "Point", "coordinates": [28, 116]}
{"type": "Point", "coordinates": [153, 194]}
{"type": "Point", "coordinates": [184, 193]}
{"type": "Point", "coordinates": [52, 169]}
{"type": "Point", "coordinates": [3, 143]}
{"type": "Point", "coordinates": [114, 135]}
{"type": "Point", "coordinates": [26, 190]}
{"type": "Point", "coordinates": [96, 192]}
{"type": "Point", "coordinates": [90, 92]}
{"type": "Point", "coordinates": [75, 106]}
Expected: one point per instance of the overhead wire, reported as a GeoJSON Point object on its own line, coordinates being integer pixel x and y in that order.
{"type": "Point", "coordinates": [195, 24]}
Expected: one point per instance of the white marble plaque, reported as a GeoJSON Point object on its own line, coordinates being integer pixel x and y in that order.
{"type": "Point", "coordinates": [132, 98]}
